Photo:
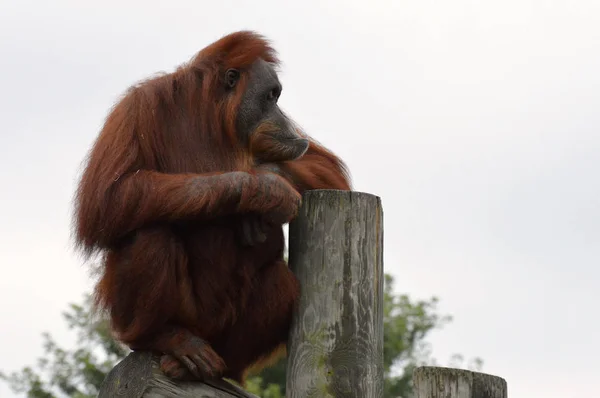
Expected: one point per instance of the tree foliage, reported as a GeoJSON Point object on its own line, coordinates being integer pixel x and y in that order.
{"type": "Point", "coordinates": [79, 371]}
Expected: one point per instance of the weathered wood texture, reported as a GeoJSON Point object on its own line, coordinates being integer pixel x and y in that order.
{"type": "Point", "coordinates": [138, 376]}
{"type": "Point", "coordinates": [336, 342]}
{"type": "Point", "coordinates": [438, 382]}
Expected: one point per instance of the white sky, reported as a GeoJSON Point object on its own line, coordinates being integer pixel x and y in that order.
{"type": "Point", "coordinates": [477, 123]}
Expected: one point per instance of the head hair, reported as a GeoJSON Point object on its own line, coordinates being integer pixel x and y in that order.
{"type": "Point", "coordinates": [190, 109]}
{"type": "Point", "coordinates": [238, 50]}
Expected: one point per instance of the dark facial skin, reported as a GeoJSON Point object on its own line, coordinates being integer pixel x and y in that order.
{"type": "Point", "coordinates": [269, 135]}
{"type": "Point", "coordinates": [260, 122]}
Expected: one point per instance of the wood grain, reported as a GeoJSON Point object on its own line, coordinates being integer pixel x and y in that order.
{"type": "Point", "coordinates": [439, 382]}
{"type": "Point", "coordinates": [139, 376]}
{"type": "Point", "coordinates": [336, 342]}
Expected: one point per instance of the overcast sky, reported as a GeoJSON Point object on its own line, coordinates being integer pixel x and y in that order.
{"type": "Point", "coordinates": [478, 124]}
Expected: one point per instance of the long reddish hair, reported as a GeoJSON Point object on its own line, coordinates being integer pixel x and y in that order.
{"type": "Point", "coordinates": [179, 122]}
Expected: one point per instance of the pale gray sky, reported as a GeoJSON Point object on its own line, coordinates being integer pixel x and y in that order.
{"type": "Point", "coordinates": [477, 123]}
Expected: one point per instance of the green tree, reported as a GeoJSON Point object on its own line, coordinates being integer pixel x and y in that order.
{"type": "Point", "coordinates": [78, 372]}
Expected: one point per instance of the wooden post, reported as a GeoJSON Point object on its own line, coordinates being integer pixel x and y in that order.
{"type": "Point", "coordinates": [437, 382]}
{"type": "Point", "coordinates": [138, 375]}
{"type": "Point", "coordinates": [336, 342]}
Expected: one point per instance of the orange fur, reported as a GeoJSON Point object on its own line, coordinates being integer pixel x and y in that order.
{"type": "Point", "coordinates": [165, 183]}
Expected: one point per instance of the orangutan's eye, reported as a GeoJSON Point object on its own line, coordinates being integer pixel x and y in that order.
{"type": "Point", "coordinates": [274, 94]}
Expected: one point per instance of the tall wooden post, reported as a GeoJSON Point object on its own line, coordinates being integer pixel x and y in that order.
{"type": "Point", "coordinates": [438, 382]}
{"type": "Point", "coordinates": [336, 342]}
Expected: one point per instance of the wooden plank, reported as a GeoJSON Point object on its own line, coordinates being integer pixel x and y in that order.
{"type": "Point", "coordinates": [439, 382]}
{"type": "Point", "coordinates": [336, 341]}
{"type": "Point", "coordinates": [139, 376]}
